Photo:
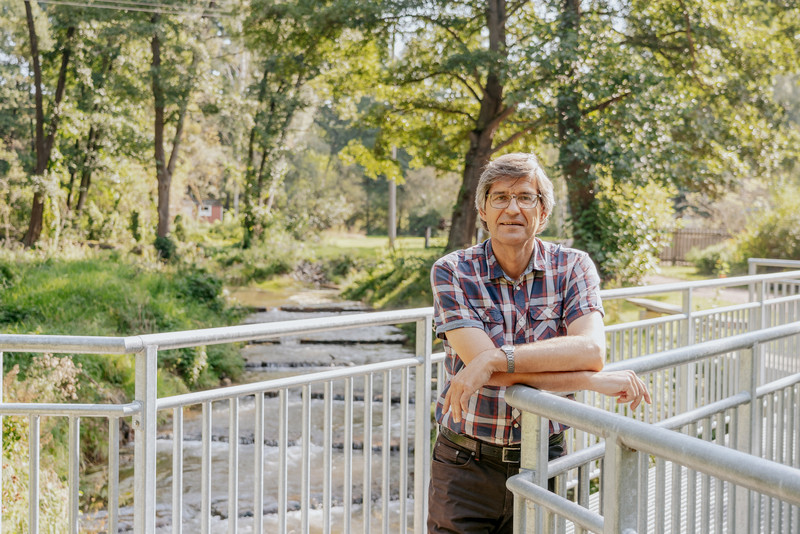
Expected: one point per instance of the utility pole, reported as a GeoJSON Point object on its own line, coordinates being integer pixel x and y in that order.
{"type": "Point", "coordinates": [393, 206]}
{"type": "Point", "coordinates": [392, 227]}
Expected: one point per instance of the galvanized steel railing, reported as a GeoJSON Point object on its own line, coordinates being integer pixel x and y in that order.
{"type": "Point", "coordinates": [700, 384]}
{"type": "Point", "coordinates": [744, 450]}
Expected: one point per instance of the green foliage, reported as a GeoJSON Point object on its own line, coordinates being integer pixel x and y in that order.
{"type": "Point", "coordinates": [401, 280]}
{"type": "Point", "coordinates": [166, 248]}
{"type": "Point", "coordinates": [774, 232]}
{"type": "Point", "coordinates": [714, 260]}
{"type": "Point", "coordinates": [631, 223]}
{"type": "Point", "coordinates": [107, 296]}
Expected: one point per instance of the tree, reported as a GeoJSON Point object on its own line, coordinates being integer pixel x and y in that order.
{"type": "Point", "coordinates": [43, 142]}
{"type": "Point", "coordinates": [293, 44]}
{"type": "Point", "coordinates": [648, 91]}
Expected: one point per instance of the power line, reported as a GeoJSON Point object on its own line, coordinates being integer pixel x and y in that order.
{"type": "Point", "coordinates": [148, 7]}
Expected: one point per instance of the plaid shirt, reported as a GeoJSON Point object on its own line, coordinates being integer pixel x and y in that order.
{"type": "Point", "coordinates": [470, 289]}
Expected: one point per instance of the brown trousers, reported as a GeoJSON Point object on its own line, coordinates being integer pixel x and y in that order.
{"type": "Point", "coordinates": [470, 496]}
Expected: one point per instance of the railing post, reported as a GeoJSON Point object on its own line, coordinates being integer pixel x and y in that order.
{"type": "Point", "coordinates": [752, 268]}
{"type": "Point", "coordinates": [620, 487]}
{"type": "Point", "coordinates": [144, 451]}
{"type": "Point", "coordinates": [747, 438]}
{"type": "Point", "coordinates": [422, 430]}
{"type": "Point", "coordinates": [2, 377]}
{"type": "Point", "coordinates": [529, 517]}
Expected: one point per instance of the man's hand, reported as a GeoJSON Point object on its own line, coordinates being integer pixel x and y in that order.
{"type": "Point", "coordinates": [470, 379]}
{"type": "Point", "coordinates": [626, 386]}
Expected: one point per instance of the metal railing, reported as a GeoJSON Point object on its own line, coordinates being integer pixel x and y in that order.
{"type": "Point", "coordinates": [296, 415]}
{"type": "Point", "coordinates": [744, 450]}
{"type": "Point", "coordinates": [145, 408]}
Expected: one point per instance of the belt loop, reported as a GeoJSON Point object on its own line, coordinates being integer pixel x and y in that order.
{"type": "Point", "coordinates": [477, 450]}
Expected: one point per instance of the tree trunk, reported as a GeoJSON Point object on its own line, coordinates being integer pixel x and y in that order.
{"type": "Point", "coordinates": [86, 169]}
{"type": "Point", "coordinates": [162, 175]}
{"type": "Point", "coordinates": [575, 168]}
{"type": "Point", "coordinates": [165, 168]}
{"type": "Point", "coordinates": [43, 146]}
{"type": "Point", "coordinates": [465, 218]}
{"type": "Point", "coordinates": [481, 138]}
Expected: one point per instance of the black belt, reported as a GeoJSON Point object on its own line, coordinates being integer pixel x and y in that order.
{"type": "Point", "coordinates": [479, 448]}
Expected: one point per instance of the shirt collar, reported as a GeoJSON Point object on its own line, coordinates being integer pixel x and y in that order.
{"type": "Point", "coordinates": [537, 262]}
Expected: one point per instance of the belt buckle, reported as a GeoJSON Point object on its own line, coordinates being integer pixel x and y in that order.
{"type": "Point", "coordinates": [511, 455]}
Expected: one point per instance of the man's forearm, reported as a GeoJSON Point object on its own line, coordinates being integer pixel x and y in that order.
{"type": "Point", "coordinates": [560, 382]}
{"type": "Point", "coordinates": [561, 354]}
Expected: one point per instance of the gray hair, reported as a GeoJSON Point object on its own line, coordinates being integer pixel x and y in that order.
{"type": "Point", "coordinates": [516, 165]}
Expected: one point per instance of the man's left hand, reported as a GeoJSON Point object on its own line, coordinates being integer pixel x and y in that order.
{"type": "Point", "coordinates": [469, 380]}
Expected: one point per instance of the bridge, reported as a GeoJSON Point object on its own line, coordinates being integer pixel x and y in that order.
{"type": "Point", "coordinates": [348, 449]}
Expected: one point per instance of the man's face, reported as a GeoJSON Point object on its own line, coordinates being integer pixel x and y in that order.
{"type": "Point", "coordinates": [512, 225]}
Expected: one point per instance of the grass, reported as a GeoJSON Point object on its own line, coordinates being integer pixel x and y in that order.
{"type": "Point", "coordinates": [104, 295]}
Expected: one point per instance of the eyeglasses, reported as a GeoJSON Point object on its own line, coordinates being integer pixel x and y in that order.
{"type": "Point", "coordinates": [503, 200]}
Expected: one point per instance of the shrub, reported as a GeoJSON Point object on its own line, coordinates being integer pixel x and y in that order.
{"type": "Point", "coordinates": [166, 248]}
{"type": "Point", "coordinates": [774, 232]}
{"type": "Point", "coordinates": [401, 280]}
{"type": "Point", "coordinates": [630, 224]}
{"type": "Point", "coordinates": [715, 260]}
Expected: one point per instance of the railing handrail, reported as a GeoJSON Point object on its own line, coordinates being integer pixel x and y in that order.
{"type": "Point", "coordinates": [624, 292]}
{"type": "Point", "coordinates": [206, 336]}
{"type": "Point", "coordinates": [734, 466]}
{"type": "Point", "coordinates": [772, 262]}
{"type": "Point", "coordinates": [62, 409]}
{"type": "Point", "coordinates": [706, 349]}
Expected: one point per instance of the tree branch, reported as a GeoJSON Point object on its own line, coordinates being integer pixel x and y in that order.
{"type": "Point", "coordinates": [603, 105]}
{"type": "Point", "coordinates": [531, 126]}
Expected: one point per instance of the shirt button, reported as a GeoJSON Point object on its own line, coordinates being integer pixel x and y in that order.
{"type": "Point", "coordinates": [516, 425]}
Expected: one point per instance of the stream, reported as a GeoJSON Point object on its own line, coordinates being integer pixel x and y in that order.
{"type": "Point", "coordinates": [287, 356]}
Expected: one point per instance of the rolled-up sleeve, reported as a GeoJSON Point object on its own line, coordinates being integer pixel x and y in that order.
{"type": "Point", "coordinates": [450, 303]}
{"type": "Point", "coordinates": [582, 294]}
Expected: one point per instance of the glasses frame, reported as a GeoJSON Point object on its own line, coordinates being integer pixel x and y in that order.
{"type": "Point", "coordinates": [537, 198]}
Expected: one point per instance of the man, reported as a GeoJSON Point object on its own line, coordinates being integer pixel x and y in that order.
{"type": "Point", "coordinates": [511, 310]}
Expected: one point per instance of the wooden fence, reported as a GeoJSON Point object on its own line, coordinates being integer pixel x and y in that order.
{"type": "Point", "coordinates": [686, 239]}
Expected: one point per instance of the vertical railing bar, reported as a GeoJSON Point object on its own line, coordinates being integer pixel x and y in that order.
{"type": "Point", "coordinates": [113, 474]}
{"type": "Point", "coordinates": [283, 464]}
{"type": "Point", "coordinates": [718, 485]}
{"type": "Point", "coordinates": [327, 457]}
{"type": "Point", "coordinates": [705, 484]}
{"type": "Point", "coordinates": [677, 475]}
{"type": "Point", "coordinates": [366, 504]}
{"type": "Point", "coordinates": [144, 424]}
{"type": "Point", "coordinates": [644, 490]}
{"type": "Point", "coordinates": [33, 476]}
{"type": "Point", "coordinates": [422, 427]}
{"type": "Point", "coordinates": [177, 470]}
{"type": "Point", "coordinates": [233, 465]}
{"type": "Point", "coordinates": [660, 496]}
{"type": "Point", "coordinates": [403, 449]}
{"type": "Point", "coordinates": [780, 416]}
{"type": "Point", "coordinates": [386, 448]}
{"type": "Point", "coordinates": [205, 470]}
{"type": "Point", "coordinates": [2, 376]}
{"type": "Point", "coordinates": [769, 454]}
{"type": "Point", "coordinates": [691, 489]}
{"type": "Point", "coordinates": [305, 467]}
{"type": "Point", "coordinates": [258, 461]}
{"type": "Point", "coordinates": [582, 490]}
{"type": "Point", "coordinates": [348, 453]}
{"type": "Point", "coordinates": [74, 464]}
{"type": "Point", "coordinates": [796, 439]}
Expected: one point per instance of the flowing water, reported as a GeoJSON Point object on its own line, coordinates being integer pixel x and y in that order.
{"type": "Point", "coordinates": [287, 356]}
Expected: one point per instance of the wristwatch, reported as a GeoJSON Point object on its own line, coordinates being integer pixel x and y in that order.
{"type": "Point", "coordinates": [509, 350]}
